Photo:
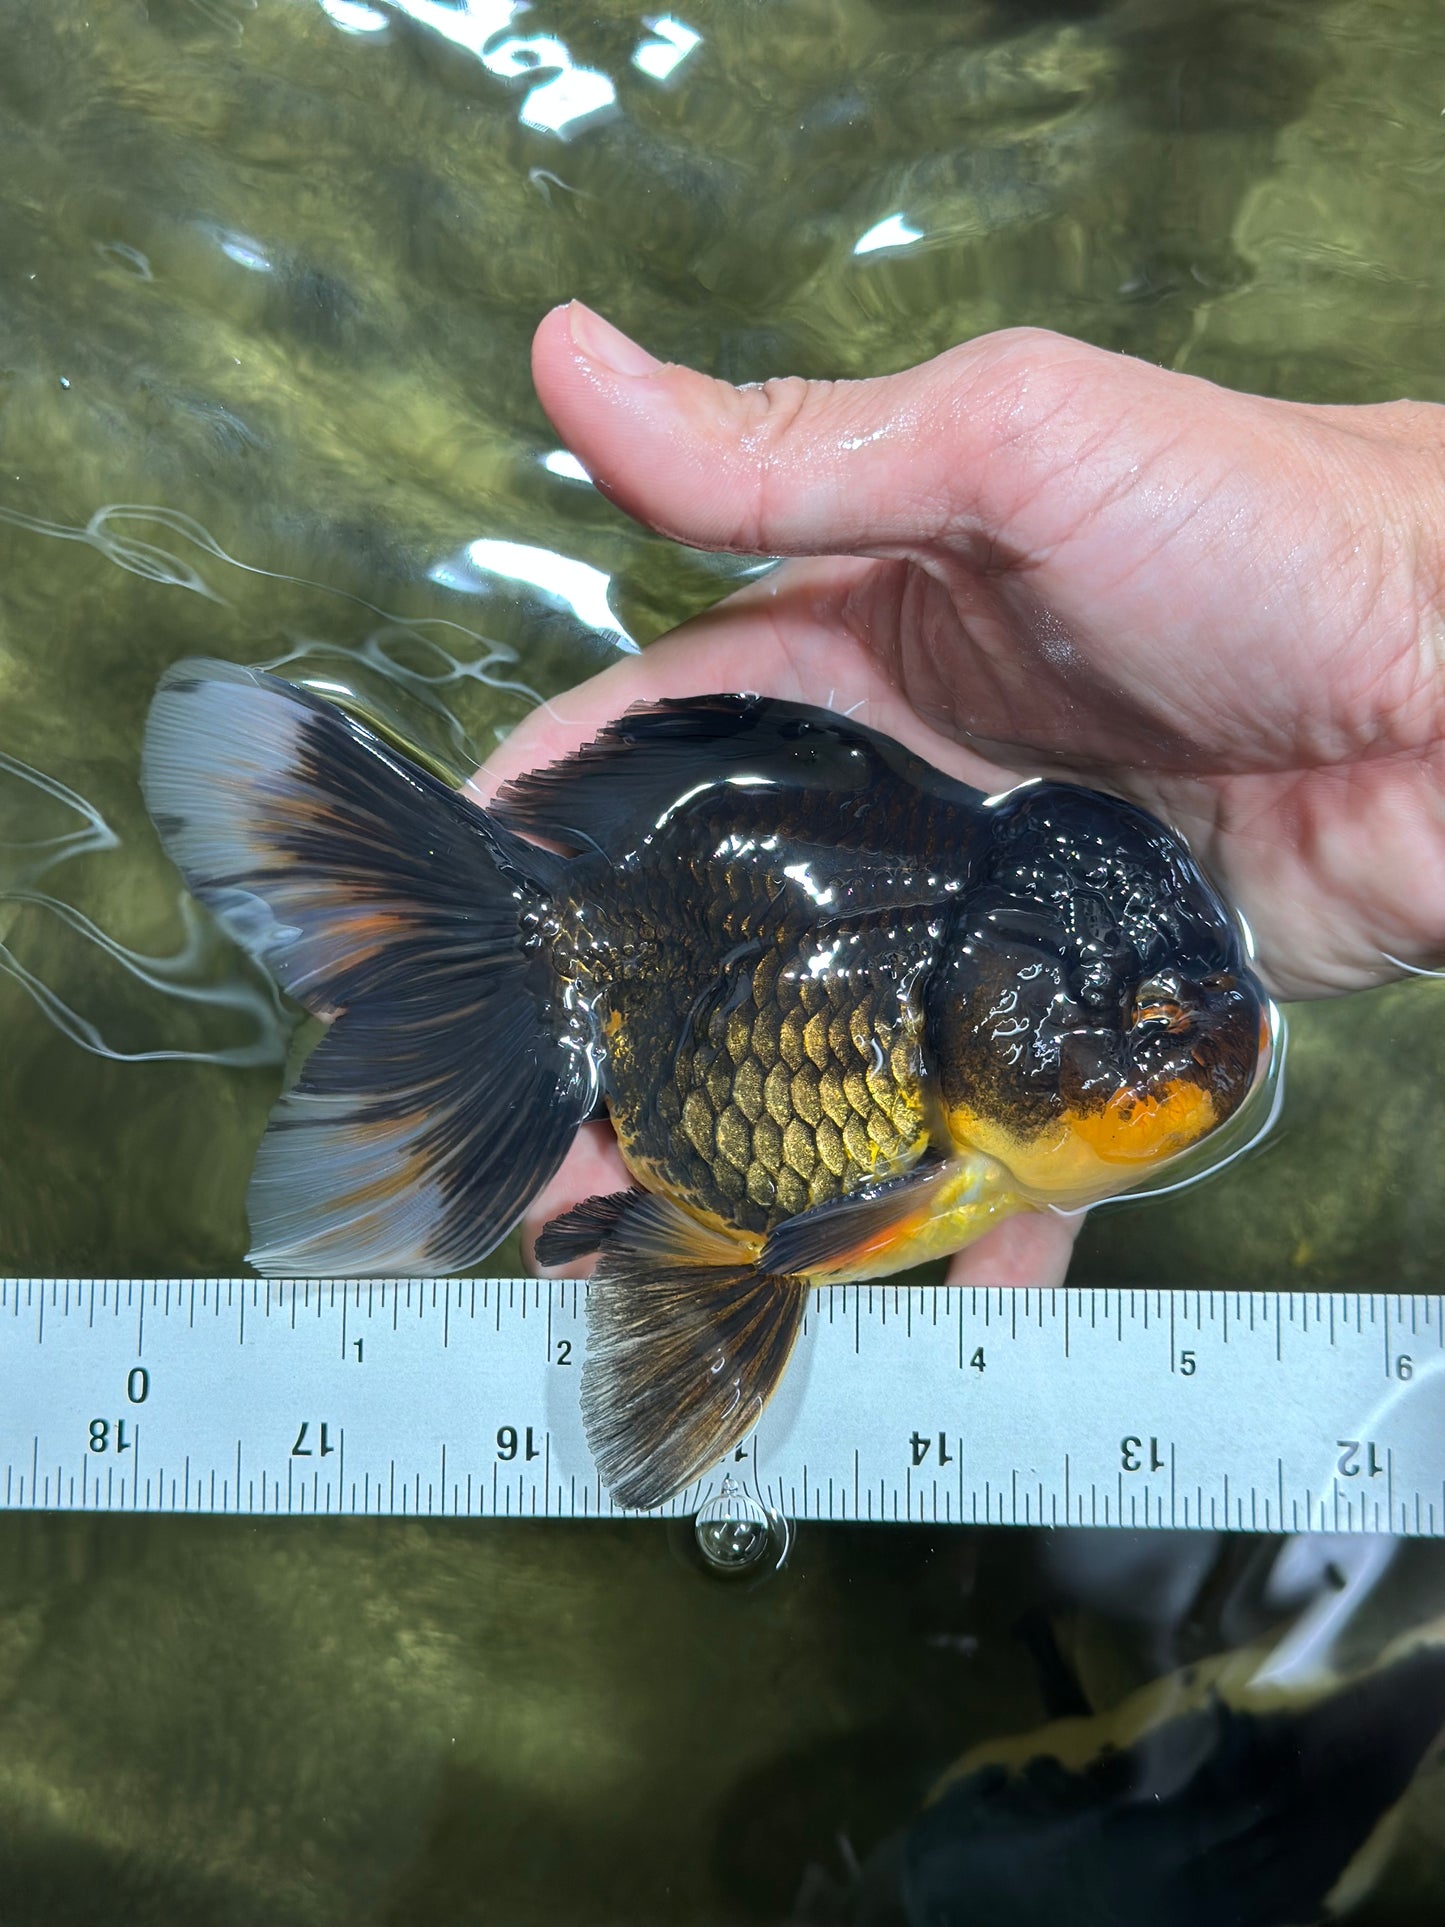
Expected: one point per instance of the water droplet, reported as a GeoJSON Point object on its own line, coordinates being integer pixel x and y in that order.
{"type": "Point", "coordinates": [736, 1533]}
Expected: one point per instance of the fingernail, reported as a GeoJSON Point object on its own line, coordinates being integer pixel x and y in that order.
{"type": "Point", "coordinates": [606, 345]}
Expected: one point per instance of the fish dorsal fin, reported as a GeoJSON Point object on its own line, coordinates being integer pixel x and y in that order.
{"type": "Point", "coordinates": [686, 1342]}
{"type": "Point", "coordinates": [661, 757]}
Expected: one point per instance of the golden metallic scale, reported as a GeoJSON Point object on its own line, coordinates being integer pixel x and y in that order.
{"type": "Point", "coordinates": [844, 1012]}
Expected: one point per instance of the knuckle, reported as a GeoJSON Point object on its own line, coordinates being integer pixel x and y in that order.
{"type": "Point", "coordinates": [783, 414]}
{"type": "Point", "coordinates": [1021, 377]}
{"type": "Point", "coordinates": [778, 408]}
{"type": "Point", "coordinates": [1027, 405]}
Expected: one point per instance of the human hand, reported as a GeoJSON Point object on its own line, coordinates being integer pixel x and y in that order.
{"type": "Point", "coordinates": [1225, 607]}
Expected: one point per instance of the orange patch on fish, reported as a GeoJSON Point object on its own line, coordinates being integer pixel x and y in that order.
{"type": "Point", "coordinates": [1078, 1155]}
{"type": "Point", "coordinates": [1137, 1125]}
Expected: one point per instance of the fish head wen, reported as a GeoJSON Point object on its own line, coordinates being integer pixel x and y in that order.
{"type": "Point", "coordinates": [1095, 1013]}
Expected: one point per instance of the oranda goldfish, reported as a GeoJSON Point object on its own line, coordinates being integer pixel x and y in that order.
{"type": "Point", "coordinates": [844, 1012]}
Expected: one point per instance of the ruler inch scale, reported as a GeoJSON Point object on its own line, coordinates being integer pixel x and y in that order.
{"type": "Point", "coordinates": [426, 1397]}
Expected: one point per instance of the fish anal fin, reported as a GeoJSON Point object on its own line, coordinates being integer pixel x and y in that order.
{"type": "Point", "coordinates": [937, 1207]}
{"type": "Point", "coordinates": [578, 1233]}
{"type": "Point", "coordinates": [648, 1225]}
{"type": "Point", "coordinates": [682, 1356]}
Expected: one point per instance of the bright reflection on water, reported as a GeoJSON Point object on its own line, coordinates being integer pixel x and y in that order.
{"type": "Point", "coordinates": [561, 461]}
{"type": "Point", "coordinates": [560, 105]}
{"type": "Point", "coordinates": [894, 232]}
{"type": "Point", "coordinates": [352, 17]}
{"type": "Point", "coordinates": [271, 273]}
{"type": "Point", "coordinates": [245, 252]}
{"type": "Point", "coordinates": [472, 24]}
{"type": "Point", "coordinates": [665, 54]}
{"type": "Point", "coordinates": [580, 587]}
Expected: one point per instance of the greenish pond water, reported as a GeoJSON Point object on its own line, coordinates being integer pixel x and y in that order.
{"type": "Point", "coordinates": [268, 274]}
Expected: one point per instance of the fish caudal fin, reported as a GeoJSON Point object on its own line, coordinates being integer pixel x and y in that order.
{"type": "Point", "coordinates": [686, 1342]}
{"type": "Point", "coordinates": [446, 1094]}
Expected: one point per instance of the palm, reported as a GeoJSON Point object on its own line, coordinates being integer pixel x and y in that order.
{"type": "Point", "coordinates": [1313, 812]}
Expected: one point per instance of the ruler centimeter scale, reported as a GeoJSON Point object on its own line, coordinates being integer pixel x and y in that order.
{"type": "Point", "coordinates": [1234, 1411]}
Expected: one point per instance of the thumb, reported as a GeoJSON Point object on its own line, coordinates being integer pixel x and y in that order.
{"type": "Point", "coordinates": [790, 467]}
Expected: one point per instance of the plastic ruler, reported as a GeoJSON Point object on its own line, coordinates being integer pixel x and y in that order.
{"type": "Point", "coordinates": [1226, 1410]}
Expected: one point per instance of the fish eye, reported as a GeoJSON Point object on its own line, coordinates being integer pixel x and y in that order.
{"type": "Point", "coordinates": [1219, 980]}
{"type": "Point", "coordinates": [1161, 1012]}
{"type": "Point", "coordinates": [1159, 1002]}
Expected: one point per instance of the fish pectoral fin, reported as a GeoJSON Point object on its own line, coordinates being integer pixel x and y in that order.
{"type": "Point", "coordinates": [682, 1354]}
{"type": "Point", "coordinates": [872, 1228]}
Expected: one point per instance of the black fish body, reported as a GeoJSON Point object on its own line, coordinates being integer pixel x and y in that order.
{"type": "Point", "coordinates": [757, 998]}
{"type": "Point", "coordinates": [1209, 1799]}
{"type": "Point", "coordinates": [844, 1012]}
